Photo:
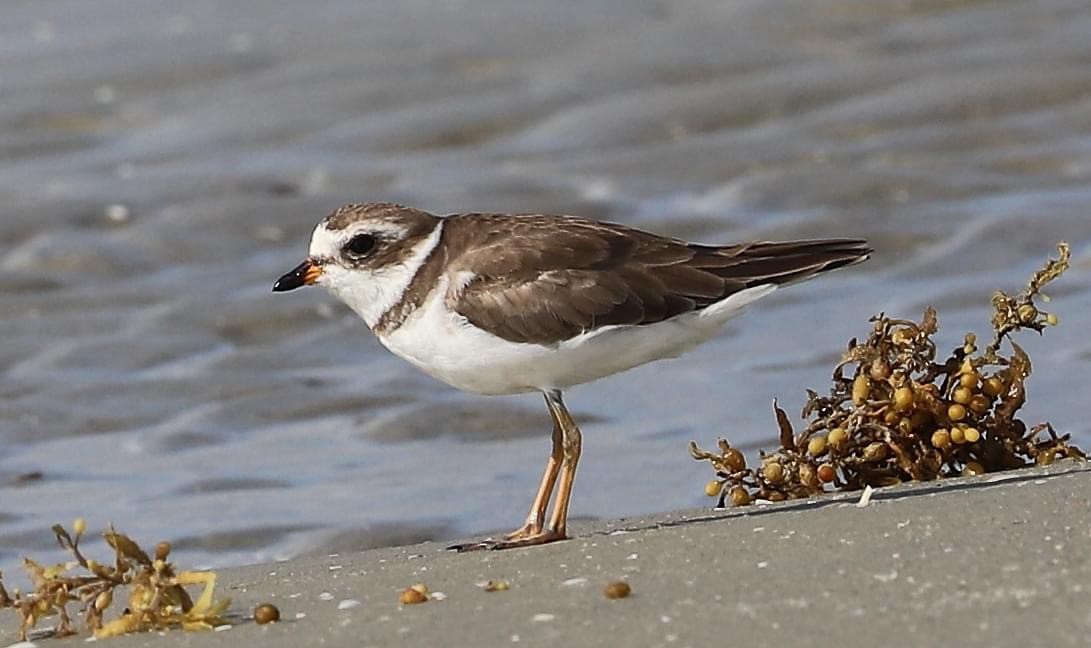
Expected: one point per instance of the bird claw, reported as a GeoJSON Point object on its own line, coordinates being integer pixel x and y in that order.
{"type": "Point", "coordinates": [529, 540]}
{"type": "Point", "coordinates": [472, 546]}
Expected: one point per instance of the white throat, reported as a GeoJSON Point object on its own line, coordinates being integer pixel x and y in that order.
{"type": "Point", "coordinates": [372, 292]}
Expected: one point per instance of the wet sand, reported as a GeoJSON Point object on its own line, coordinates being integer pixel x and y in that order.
{"type": "Point", "coordinates": [997, 560]}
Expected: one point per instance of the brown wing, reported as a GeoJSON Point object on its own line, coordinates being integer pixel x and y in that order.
{"type": "Point", "coordinates": [543, 279]}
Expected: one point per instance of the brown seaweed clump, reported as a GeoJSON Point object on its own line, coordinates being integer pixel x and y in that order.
{"type": "Point", "coordinates": [895, 414]}
{"type": "Point", "coordinates": [156, 600]}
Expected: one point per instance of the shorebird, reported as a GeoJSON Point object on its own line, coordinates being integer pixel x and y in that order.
{"type": "Point", "coordinates": [514, 303]}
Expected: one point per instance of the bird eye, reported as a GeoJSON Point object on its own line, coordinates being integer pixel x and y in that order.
{"type": "Point", "coordinates": [360, 244]}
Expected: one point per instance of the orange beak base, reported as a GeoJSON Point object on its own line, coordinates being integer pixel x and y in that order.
{"type": "Point", "coordinates": [304, 274]}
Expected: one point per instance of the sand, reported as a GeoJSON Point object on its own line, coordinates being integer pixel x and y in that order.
{"type": "Point", "coordinates": [993, 560]}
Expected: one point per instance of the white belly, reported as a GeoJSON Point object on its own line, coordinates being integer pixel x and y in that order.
{"type": "Point", "coordinates": [444, 345]}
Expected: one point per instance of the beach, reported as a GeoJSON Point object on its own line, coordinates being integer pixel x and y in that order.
{"type": "Point", "coordinates": [995, 560]}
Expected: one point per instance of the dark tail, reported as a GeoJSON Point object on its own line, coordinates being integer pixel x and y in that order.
{"type": "Point", "coordinates": [757, 263]}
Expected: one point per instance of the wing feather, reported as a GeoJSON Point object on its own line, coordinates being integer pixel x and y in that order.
{"type": "Point", "coordinates": [542, 279]}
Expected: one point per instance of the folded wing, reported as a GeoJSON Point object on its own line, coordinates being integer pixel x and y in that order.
{"type": "Point", "coordinates": [542, 279]}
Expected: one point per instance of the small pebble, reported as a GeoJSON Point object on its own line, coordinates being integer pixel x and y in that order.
{"type": "Point", "coordinates": [618, 590]}
{"type": "Point", "coordinates": [266, 613]}
{"type": "Point", "coordinates": [412, 596]}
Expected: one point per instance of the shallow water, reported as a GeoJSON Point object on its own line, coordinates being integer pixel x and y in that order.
{"type": "Point", "coordinates": [164, 163]}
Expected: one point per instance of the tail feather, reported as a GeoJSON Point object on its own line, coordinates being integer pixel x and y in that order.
{"type": "Point", "coordinates": [780, 263]}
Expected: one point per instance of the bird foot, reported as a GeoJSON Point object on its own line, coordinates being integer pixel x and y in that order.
{"type": "Point", "coordinates": [525, 531]}
{"type": "Point", "coordinates": [518, 538]}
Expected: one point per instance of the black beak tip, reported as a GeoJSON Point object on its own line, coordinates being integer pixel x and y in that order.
{"type": "Point", "coordinates": [297, 278]}
{"type": "Point", "coordinates": [287, 282]}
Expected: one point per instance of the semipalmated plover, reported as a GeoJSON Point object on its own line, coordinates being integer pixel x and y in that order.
{"type": "Point", "coordinates": [512, 303]}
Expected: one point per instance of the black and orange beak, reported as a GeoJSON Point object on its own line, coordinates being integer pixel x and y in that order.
{"type": "Point", "coordinates": [304, 274]}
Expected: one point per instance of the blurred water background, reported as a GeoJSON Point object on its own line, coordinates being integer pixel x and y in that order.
{"type": "Point", "coordinates": [164, 162]}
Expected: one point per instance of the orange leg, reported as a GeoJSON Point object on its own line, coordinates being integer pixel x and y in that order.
{"type": "Point", "coordinates": [536, 515]}
{"type": "Point", "coordinates": [567, 444]}
{"type": "Point", "coordinates": [572, 446]}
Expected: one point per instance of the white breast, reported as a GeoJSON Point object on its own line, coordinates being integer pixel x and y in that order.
{"type": "Point", "coordinates": [445, 345]}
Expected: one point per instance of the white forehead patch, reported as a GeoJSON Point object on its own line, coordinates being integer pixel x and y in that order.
{"type": "Point", "coordinates": [324, 243]}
